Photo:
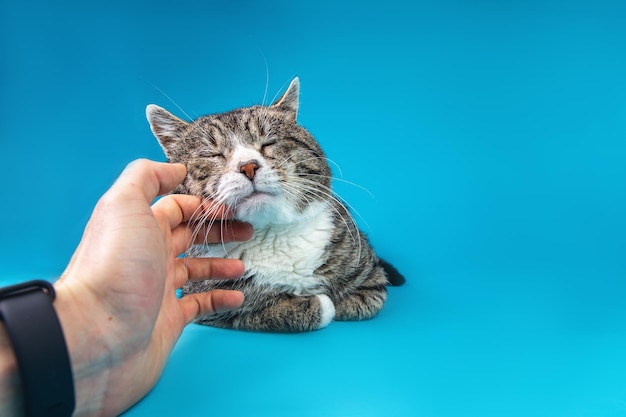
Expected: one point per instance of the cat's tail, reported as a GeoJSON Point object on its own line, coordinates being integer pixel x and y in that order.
{"type": "Point", "coordinates": [394, 277]}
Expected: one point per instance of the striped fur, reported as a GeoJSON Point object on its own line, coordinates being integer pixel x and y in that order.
{"type": "Point", "coordinates": [307, 263]}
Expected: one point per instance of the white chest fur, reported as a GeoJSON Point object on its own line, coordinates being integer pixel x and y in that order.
{"type": "Point", "coordinates": [285, 256]}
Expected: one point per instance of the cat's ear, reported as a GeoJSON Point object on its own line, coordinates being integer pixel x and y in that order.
{"type": "Point", "coordinates": [166, 127]}
{"type": "Point", "coordinates": [289, 101]}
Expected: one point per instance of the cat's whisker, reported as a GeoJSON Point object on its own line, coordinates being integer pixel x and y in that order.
{"type": "Point", "coordinates": [284, 161]}
{"type": "Point", "coordinates": [327, 193]}
{"type": "Point", "coordinates": [312, 158]}
{"type": "Point", "coordinates": [172, 101]}
{"type": "Point", "coordinates": [205, 219]}
{"type": "Point", "coordinates": [192, 225]}
{"type": "Point", "coordinates": [197, 218]}
{"type": "Point", "coordinates": [333, 178]}
{"type": "Point", "coordinates": [330, 194]}
{"type": "Point", "coordinates": [333, 193]}
{"type": "Point", "coordinates": [336, 165]}
{"type": "Point", "coordinates": [267, 78]}
{"type": "Point", "coordinates": [220, 198]}
{"type": "Point", "coordinates": [350, 224]}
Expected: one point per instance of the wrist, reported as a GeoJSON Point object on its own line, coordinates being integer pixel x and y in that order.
{"type": "Point", "coordinates": [11, 403]}
{"type": "Point", "coordinates": [112, 362]}
{"type": "Point", "coordinates": [89, 357]}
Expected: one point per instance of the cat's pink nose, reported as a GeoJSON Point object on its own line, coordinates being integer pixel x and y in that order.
{"type": "Point", "coordinates": [249, 169]}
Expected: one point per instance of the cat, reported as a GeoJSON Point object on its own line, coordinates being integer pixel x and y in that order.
{"type": "Point", "coordinates": [307, 263]}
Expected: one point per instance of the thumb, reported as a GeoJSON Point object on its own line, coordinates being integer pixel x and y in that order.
{"type": "Point", "coordinates": [149, 178]}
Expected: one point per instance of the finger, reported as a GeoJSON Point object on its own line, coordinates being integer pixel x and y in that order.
{"type": "Point", "coordinates": [176, 209]}
{"type": "Point", "coordinates": [182, 239]}
{"type": "Point", "coordinates": [206, 268]}
{"type": "Point", "coordinates": [214, 210]}
{"type": "Point", "coordinates": [179, 208]}
{"type": "Point", "coordinates": [213, 268]}
{"type": "Point", "coordinates": [216, 301]}
{"type": "Point", "coordinates": [149, 179]}
{"type": "Point", "coordinates": [184, 235]}
{"type": "Point", "coordinates": [224, 231]}
{"type": "Point", "coordinates": [181, 273]}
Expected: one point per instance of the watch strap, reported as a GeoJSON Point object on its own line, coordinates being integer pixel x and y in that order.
{"type": "Point", "coordinates": [35, 332]}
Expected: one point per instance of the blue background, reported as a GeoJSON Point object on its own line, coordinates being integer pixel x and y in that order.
{"type": "Point", "coordinates": [490, 134]}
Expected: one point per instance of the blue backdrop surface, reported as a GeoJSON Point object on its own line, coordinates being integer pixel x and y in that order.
{"type": "Point", "coordinates": [490, 138]}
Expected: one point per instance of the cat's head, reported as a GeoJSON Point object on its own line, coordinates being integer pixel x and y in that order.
{"type": "Point", "coordinates": [256, 160]}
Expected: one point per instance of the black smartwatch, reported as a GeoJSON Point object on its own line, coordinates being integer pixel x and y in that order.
{"type": "Point", "coordinates": [35, 332]}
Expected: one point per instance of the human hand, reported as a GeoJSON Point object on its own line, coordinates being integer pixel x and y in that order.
{"type": "Point", "coordinates": [117, 301]}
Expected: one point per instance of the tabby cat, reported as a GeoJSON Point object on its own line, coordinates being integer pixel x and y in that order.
{"type": "Point", "coordinates": [307, 262]}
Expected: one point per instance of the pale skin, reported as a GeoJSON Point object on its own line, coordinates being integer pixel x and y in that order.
{"type": "Point", "coordinates": [116, 300]}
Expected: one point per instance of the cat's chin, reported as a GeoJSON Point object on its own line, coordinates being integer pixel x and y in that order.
{"type": "Point", "coordinates": [255, 201]}
{"type": "Point", "coordinates": [265, 210]}
{"type": "Point", "coordinates": [255, 207]}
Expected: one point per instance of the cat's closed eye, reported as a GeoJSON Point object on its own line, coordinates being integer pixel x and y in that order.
{"type": "Point", "coordinates": [210, 155]}
{"type": "Point", "coordinates": [268, 143]}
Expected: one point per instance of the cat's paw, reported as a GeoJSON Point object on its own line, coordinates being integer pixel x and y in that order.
{"type": "Point", "coordinates": [327, 310]}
